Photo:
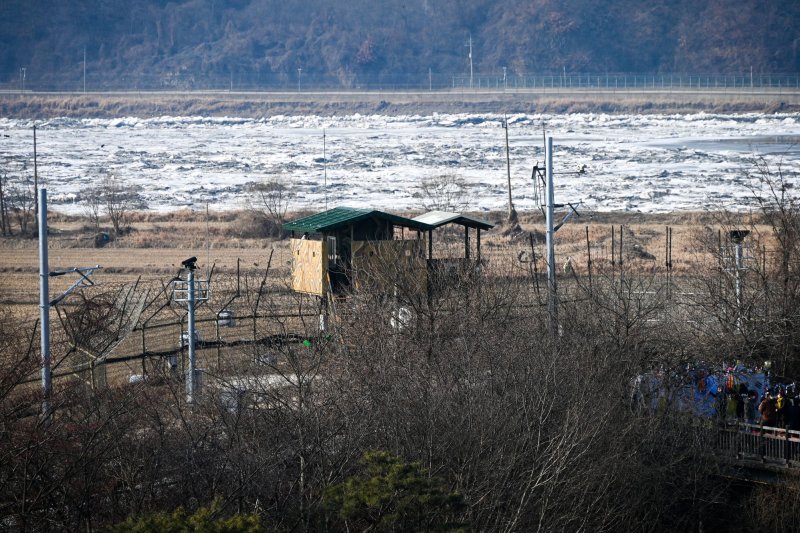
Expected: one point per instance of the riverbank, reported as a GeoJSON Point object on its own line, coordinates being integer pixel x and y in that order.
{"type": "Point", "coordinates": [40, 106]}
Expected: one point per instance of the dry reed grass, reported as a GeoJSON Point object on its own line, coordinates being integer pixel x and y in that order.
{"type": "Point", "coordinates": [159, 241]}
{"type": "Point", "coordinates": [154, 104]}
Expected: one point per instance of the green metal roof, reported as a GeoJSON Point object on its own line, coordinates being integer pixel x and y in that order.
{"type": "Point", "coordinates": [339, 217]}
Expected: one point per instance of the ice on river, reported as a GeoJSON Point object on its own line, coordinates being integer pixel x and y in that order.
{"type": "Point", "coordinates": [648, 163]}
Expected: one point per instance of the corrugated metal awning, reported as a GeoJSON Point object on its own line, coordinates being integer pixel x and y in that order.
{"type": "Point", "coordinates": [440, 218]}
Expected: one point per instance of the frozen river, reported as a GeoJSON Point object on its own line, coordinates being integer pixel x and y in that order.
{"type": "Point", "coordinates": [648, 163]}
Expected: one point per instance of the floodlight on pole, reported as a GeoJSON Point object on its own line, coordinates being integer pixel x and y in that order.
{"type": "Point", "coordinates": [191, 291]}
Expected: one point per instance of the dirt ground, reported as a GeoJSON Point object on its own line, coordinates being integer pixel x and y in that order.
{"type": "Point", "coordinates": [156, 245]}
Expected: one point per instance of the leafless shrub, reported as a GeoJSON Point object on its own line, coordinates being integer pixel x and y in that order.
{"type": "Point", "coordinates": [269, 202]}
{"type": "Point", "coordinates": [446, 192]}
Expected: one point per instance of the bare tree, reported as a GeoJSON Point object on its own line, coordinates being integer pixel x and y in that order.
{"type": "Point", "coordinates": [270, 201]}
{"type": "Point", "coordinates": [92, 201]}
{"type": "Point", "coordinates": [20, 201]}
{"type": "Point", "coordinates": [5, 225]}
{"type": "Point", "coordinates": [119, 200]}
{"type": "Point", "coordinates": [446, 192]}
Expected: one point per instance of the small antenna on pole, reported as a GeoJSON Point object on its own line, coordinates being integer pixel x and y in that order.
{"type": "Point", "coordinates": [325, 168]}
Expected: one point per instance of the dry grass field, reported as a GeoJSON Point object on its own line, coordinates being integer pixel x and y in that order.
{"type": "Point", "coordinates": [157, 244]}
{"type": "Point", "coordinates": [152, 251]}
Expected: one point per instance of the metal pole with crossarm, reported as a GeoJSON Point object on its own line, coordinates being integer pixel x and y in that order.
{"type": "Point", "coordinates": [44, 305]}
{"type": "Point", "coordinates": [552, 297]}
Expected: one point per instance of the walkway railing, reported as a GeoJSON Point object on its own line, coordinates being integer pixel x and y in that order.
{"type": "Point", "coordinates": [762, 443]}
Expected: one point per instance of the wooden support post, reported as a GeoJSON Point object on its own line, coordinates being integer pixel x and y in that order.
{"type": "Point", "coordinates": [478, 246]}
{"type": "Point", "coordinates": [535, 268]}
{"type": "Point", "coordinates": [144, 351]}
{"type": "Point", "coordinates": [430, 244]}
{"type": "Point", "coordinates": [466, 242]}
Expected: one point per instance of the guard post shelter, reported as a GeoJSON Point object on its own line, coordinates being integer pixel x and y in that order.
{"type": "Point", "coordinates": [345, 249]}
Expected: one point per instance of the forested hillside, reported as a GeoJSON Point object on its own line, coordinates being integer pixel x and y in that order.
{"type": "Point", "coordinates": [146, 40]}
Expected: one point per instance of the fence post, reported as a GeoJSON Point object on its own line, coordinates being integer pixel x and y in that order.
{"type": "Point", "coordinates": [786, 448]}
{"type": "Point", "coordinates": [144, 350]}
{"type": "Point", "coordinates": [219, 357]}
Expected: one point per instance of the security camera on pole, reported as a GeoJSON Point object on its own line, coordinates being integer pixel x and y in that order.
{"type": "Point", "coordinates": [191, 291]}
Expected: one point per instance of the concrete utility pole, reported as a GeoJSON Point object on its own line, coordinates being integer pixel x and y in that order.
{"type": "Point", "coordinates": [44, 306]}
{"type": "Point", "coordinates": [191, 291]}
{"type": "Point", "coordinates": [190, 378]}
{"type": "Point", "coordinates": [299, 72]}
{"type": "Point", "coordinates": [35, 176]}
{"type": "Point", "coordinates": [552, 296]}
{"type": "Point", "coordinates": [470, 60]}
{"type": "Point", "coordinates": [512, 213]}
{"type": "Point", "coordinates": [84, 70]}
{"type": "Point", "coordinates": [737, 236]}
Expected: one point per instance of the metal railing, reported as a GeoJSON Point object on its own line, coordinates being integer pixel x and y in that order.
{"type": "Point", "coordinates": [762, 443]}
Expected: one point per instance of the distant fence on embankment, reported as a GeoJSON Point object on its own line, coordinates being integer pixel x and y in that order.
{"type": "Point", "coordinates": [301, 80]}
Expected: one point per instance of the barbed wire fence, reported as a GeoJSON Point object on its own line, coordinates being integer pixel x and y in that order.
{"type": "Point", "coordinates": [128, 331]}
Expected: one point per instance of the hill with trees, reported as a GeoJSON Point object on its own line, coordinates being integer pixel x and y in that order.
{"type": "Point", "coordinates": [180, 43]}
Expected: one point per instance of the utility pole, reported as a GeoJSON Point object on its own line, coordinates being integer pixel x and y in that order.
{"type": "Point", "coordinates": [44, 306]}
{"type": "Point", "coordinates": [505, 86]}
{"type": "Point", "coordinates": [325, 169]}
{"type": "Point", "coordinates": [299, 72]}
{"type": "Point", "coordinates": [35, 176]}
{"type": "Point", "coordinates": [470, 60]}
{"type": "Point", "coordinates": [512, 213]}
{"type": "Point", "coordinates": [191, 291]}
{"type": "Point", "coordinates": [552, 297]}
{"type": "Point", "coordinates": [84, 70]}
{"type": "Point", "coordinates": [430, 79]}
{"type": "Point", "coordinates": [22, 74]}
{"type": "Point", "coordinates": [737, 236]}
{"type": "Point", "coordinates": [190, 378]}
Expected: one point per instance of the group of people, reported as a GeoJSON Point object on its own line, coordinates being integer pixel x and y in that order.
{"type": "Point", "coordinates": [777, 407]}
